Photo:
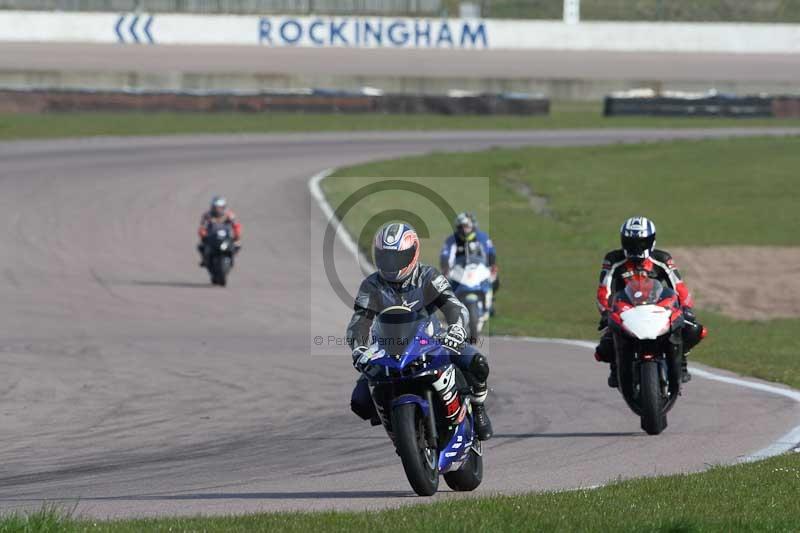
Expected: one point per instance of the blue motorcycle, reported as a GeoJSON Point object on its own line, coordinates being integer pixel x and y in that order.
{"type": "Point", "coordinates": [423, 401]}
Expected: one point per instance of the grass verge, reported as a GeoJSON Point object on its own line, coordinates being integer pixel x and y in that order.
{"type": "Point", "coordinates": [563, 115]}
{"type": "Point", "coordinates": [739, 191]}
{"type": "Point", "coordinates": [750, 497]}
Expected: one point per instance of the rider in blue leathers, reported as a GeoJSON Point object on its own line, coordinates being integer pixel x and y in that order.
{"type": "Point", "coordinates": [468, 239]}
{"type": "Point", "coordinates": [401, 280]}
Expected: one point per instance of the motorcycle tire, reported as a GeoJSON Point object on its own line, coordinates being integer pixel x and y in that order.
{"type": "Point", "coordinates": [218, 274]}
{"type": "Point", "coordinates": [651, 399]}
{"type": "Point", "coordinates": [419, 462]}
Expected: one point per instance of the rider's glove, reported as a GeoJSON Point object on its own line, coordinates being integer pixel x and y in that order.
{"type": "Point", "coordinates": [358, 352]}
{"type": "Point", "coordinates": [603, 324]}
{"type": "Point", "coordinates": [689, 316]}
{"type": "Point", "coordinates": [455, 337]}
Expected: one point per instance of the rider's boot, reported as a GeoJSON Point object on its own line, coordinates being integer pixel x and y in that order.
{"type": "Point", "coordinates": [202, 251]}
{"type": "Point", "coordinates": [686, 377]}
{"type": "Point", "coordinates": [613, 380]}
{"type": "Point", "coordinates": [483, 426]}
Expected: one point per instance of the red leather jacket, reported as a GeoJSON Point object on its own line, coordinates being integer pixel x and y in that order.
{"type": "Point", "coordinates": [228, 217]}
{"type": "Point", "coordinates": [660, 266]}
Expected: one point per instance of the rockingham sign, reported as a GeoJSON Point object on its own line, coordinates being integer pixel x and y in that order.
{"type": "Point", "coordinates": [372, 32]}
{"type": "Point", "coordinates": [148, 29]}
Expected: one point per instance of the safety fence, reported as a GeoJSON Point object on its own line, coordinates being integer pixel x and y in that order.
{"type": "Point", "coordinates": [302, 101]}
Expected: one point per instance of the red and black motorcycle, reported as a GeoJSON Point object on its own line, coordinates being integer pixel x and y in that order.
{"type": "Point", "coordinates": [646, 321]}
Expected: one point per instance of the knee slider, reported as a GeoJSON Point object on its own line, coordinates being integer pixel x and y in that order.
{"type": "Point", "coordinates": [479, 367]}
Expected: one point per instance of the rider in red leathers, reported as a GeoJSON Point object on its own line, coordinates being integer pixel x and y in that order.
{"type": "Point", "coordinates": [638, 255]}
{"type": "Point", "coordinates": [218, 213]}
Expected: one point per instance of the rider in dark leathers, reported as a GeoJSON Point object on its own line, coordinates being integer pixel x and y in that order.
{"type": "Point", "coordinates": [401, 280]}
{"type": "Point", "coordinates": [638, 255]}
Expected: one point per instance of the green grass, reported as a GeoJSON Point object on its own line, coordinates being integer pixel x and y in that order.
{"type": "Point", "coordinates": [751, 497]}
{"type": "Point", "coordinates": [563, 115]}
{"type": "Point", "coordinates": [721, 192]}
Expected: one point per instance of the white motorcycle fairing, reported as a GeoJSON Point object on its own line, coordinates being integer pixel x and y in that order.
{"type": "Point", "coordinates": [646, 322]}
{"type": "Point", "coordinates": [472, 276]}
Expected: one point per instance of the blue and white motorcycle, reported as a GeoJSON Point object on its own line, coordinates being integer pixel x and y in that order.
{"type": "Point", "coordinates": [423, 401]}
{"type": "Point", "coordinates": [471, 280]}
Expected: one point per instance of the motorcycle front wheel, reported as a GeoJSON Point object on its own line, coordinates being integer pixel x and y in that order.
{"type": "Point", "coordinates": [217, 270]}
{"type": "Point", "coordinates": [419, 462]}
{"type": "Point", "coordinates": [652, 400]}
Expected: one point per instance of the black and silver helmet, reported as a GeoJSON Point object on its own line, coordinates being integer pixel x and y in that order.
{"type": "Point", "coordinates": [638, 237]}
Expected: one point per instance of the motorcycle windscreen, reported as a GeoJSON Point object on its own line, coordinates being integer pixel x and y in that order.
{"type": "Point", "coordinates": [642, 290]}
{"type": "Point", "coordinates": [395, 329]}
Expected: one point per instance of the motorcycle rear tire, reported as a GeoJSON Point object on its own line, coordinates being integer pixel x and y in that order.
{"type": "Point", "coordinates": [409, 429]}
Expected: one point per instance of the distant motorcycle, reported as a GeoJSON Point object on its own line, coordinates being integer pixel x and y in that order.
{"type": "Point", "coordinates": [646, 321]}
{"type": "Point", "coordinates": [471, 280]}
{"type": "Point", "coordinates": [219, 252]}
{"type": "Point", "coordinates": [423, 401]}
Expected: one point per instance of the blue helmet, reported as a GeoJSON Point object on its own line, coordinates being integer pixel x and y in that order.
{"type": "Point", "coordinates": [396, 251]}
{"type": "Point", "coordinates": [638, 237]}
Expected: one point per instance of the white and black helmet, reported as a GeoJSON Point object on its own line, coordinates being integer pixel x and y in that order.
{"type": "Point", "coordinates": [638, 237]}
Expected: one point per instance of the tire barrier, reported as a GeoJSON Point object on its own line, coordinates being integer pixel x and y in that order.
{"type": "Point", "coordinates": [301, 101]}
{"type": "Point", "coordinates": [712, 104]}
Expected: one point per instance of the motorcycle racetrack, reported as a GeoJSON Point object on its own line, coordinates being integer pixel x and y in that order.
{"type": "Point", "coordinates": [131, 387]}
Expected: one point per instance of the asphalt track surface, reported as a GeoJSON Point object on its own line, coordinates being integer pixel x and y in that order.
{"type": "Point", "coordinates": [474, 64]}
{"type": "Point", "coordinates": [133, 388]}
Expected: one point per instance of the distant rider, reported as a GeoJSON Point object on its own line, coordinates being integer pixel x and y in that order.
{"type": "Point", "coordinates": [218, 213]}
{"type": "Point", "coordinates": [638, 255]}
{"type": "Point", "coordinates": [401, 280]}
{"type": "Point", "coordinates": [468, 240]}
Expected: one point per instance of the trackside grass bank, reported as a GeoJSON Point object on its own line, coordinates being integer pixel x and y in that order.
{"type": "Point", "coordinates": [563, 115]}
{"type": "Point", "coordinates": [751, 497]}
{"type": "Point", "coordinates": [554, 212]}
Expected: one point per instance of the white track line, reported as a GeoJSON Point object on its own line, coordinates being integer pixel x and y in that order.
{"type": "Point", "coordinates": [788, 442]}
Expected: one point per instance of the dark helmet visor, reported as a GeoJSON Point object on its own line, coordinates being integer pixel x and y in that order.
{"type": "Point", "coordinates": [394, 260]}
{"type": "Point", "coordinates": [637, 246]}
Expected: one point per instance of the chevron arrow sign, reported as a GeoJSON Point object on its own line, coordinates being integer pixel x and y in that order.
{"type": "Point", "coordinates": [134, 28]}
